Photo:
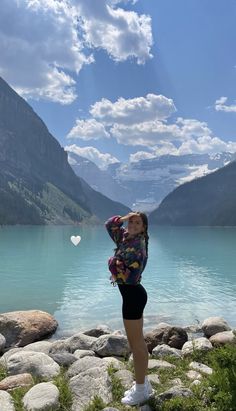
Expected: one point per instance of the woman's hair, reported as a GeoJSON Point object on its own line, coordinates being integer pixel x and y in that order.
{"type": "Point", "coordinates": [145, 224]}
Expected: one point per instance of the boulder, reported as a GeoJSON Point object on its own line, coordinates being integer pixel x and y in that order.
{"type": "Point", "coordinates": [197, 366]}
{"type": "Point", "coordinates": [126, 378]}
{"type": "Point", "coordinates": [160, 364]}
{"type": "Point", "coordinates": [194, 375]}
{"type": "Point", "coordinates": [2, 343]}
{"type": "Point", "coordinates": [85, 364]}
{"type": "Point", "coordinates": [162, 350]}
{"type": "Point", "coordinates": [15, 381]}
{"type": "Point", "coordinates": [117, 364]}
{"type": "Point", "coordinates": [35, 363]}
{"type": "Point", "coordinates": [199, 344]}
{"type": "Point", "coordinates": [154, 378]}
{"type": "Point", "coordinates": [175, 337]}
{"type": "Point", "coordinates": [224, 337]}
{"type": "Point", "coordinates": [214, 325]}
{"type": "Point", "coordinates": [84, 391]}
{"type": "Point", "coordinates": [98, 331]}
{"type": "Point", "coordinates": [64, 359]}
{"type": "Point", "coordinates": [176, 381]}
{"type": "Point", "coordinates": [7, 355]}
{"type": "Point", "coordinates": [109, 345]}
{"type": "Point", "coordinates": [39, 346]}
{"type": "Point", "coordinates": [176, 391]}
{"type": "Point", "coordinates": [6, 402]}
{"type": "Point", "coordinates": [83, 353]}
{"type": "Point", "coordinates": [41, 397]}
{"type": "Point", "coordinates": [24, 327]}
{"type": "Point", "coordinates": [81, 341]}
{"type": "Point", "coordinates": [154, 337]}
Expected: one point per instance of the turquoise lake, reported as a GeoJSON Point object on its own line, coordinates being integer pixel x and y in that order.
{"type": "Point", "coordinates": [190, 275]}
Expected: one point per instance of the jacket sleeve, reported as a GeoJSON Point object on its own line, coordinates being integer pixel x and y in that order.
{"type": "Point", "coordinates": [115, 229]}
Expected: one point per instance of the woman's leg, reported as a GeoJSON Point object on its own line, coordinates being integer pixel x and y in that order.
{"type": "Point", "coordinates": [134, 332]}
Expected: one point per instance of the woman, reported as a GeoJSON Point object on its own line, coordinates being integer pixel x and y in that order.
{"type": "Point", "coordinates": [126, 268]}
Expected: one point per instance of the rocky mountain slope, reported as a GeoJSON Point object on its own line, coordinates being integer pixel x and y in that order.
{"type": "Point", "coordinates": [206, 201]}
{"type": "Point", "coordinates": [37, 184]}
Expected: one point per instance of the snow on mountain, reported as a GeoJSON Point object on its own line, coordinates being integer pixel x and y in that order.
{"type": "Point", "coordinates": [143, 184]}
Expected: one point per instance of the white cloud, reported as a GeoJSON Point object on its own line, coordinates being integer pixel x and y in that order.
{"type": "Point", "coordinates": [123, 34]}
{"type": "Point", "coordinates": [88, 130]}
{"type": "Point", "coordinates": [206, 145]}
{"type": "Point", "coordinates": [144, 121]}
{"type": "Point", "coordinates": [192, 128]}
{"type": "Point", "coordinates": [140, 155]}
{"type": "Point", "coordinates": [44, 42]}
{"type": "Point", "coordinates": [221, 106]}
{"type": "Point", "coordinates": [133, 111]}
{"type": "Point", "coordinates": [102, 160]}
{"type": "Point", "coordinates": [145, 134]}
{"type": "Point", "coordinates": [39, 43]}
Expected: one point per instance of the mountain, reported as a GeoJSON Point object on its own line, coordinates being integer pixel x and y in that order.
{"type": "Point", "coordinates": [151, 180]}
{"type": "Point", "coordinates": [37, 184]}
{"type": "Point", "coordinates": [206, 201]}
{"type": "Point", "coordinates": [143, 184]}
{"type": "Point", "coordinates": [100, 180]}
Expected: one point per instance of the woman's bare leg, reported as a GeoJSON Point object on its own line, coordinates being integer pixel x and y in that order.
{"type": "Point", "coordinates": [134, 332]}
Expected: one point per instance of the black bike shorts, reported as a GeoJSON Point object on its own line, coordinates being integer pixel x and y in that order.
{"type": "Point", "coordinates": [134, 301]}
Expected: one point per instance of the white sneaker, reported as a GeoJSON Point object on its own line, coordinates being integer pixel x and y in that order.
{"type": "Point", "coordinates": [135, 397]}
{"type": "Point", "coordinates": [150, 389]}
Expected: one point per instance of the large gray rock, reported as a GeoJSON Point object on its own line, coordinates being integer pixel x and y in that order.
{"type": "Point", "coordinates": [174, 392]}
{"type": "Point", "coordinates": [59, 346]}
{"type": "Point", "coordinates": [6, 402]}
{"type": "Point", "coordinates": [163, 350]}
{"type": "Point", "coordinates": [24, 327]}
{"type": "Point", "coordinates": [160, 364]}
{"type": "Point", "coordinates": [194, 375]}
{"type": "Point", "coordinates": [214, 325]}
{"type": "Point", "coordinates": [83, 353]}
{"type": "Point", "coordinates": [15, 381]}
{"type": "Point", "coordinates": [109, 345]}
{"type": "Point", "coordinates": [154, 378]}
{"type": "Point", "coordinates": [98, 331]}
{"type": "Point", "coordinates": [125, 377]}
{"type": "Point", "coordinates": [175, 337]}
{"type": "Point", "coordinates": [7, 355]}
{"type": "Point", "coordinates": [37, 364]}
{"type": "Point", "coordinates": [199, 344]}
{"type": "Point", "coordinates": [64, 359]}
{"type": "Point", "coordinates": [42, 397]}
{"type": "Point", "coordinates": [81, 341]}
{"type": "Point", "coordinates": [155, 337]}
{"type": "Point", "coordinates": [2, 343]}
{"type": "Point", "coordinates": [84, 364]}
{"type": "Point", "coordinates": [39, 346]}
{"type": "Point", "coordinates": [84, 391]}
{"type": "Point", "coordinates": [117, 364]}
{"type": "Point", "coordinates": [197, 366]}
{"type": "Point", "coordinates": [224, 337]}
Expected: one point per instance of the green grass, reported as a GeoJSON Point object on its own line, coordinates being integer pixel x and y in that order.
{"type": "Point", "coordinates": [96, 404]}
{"type": "Point", "coordinates": [3, 373]}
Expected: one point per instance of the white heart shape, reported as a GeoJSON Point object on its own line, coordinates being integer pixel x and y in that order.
{"type": "Point", "coordinates": [75, 239]}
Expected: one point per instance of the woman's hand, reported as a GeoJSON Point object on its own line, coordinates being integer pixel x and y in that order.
{"type": "Point", "coordinates": [127, 216]}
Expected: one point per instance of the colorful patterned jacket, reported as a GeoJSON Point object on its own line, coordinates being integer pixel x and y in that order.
{"type": "Point", "coordinates": [130, 258]}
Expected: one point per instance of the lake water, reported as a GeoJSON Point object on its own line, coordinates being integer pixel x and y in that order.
{"type": "Point", "coordinates": [190, 275]}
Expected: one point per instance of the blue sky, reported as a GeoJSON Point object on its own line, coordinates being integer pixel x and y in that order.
{"type": "Point", "coordinates": [126, 80]}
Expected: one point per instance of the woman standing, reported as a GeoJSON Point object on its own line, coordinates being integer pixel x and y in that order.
{"type": "Point", "coordinates": [126, 267]}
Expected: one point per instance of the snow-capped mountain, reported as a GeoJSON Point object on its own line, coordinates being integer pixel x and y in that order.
{"type": "Point", "coordinates": [143, 184]}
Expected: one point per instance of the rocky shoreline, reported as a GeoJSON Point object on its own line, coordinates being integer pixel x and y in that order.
{"type": "Point", "coordinates": [27, 355]}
